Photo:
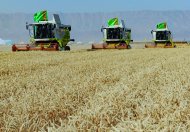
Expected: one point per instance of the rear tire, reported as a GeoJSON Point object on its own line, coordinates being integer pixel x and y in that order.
{"type": "Point", "coordinates": [67, 48]}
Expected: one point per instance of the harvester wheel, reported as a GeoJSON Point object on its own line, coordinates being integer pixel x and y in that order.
{"type": "Point", "coordinates": [67, 48]}
{"type": "Point", "coordinates": [129, 47]}
{"type": "Point", "coordinates": [14, 48]}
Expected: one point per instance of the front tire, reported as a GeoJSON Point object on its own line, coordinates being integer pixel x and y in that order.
{"type": "Point", "coordinates": [129, 47]}
{"type": "Point", "coordinates": [67, 48]}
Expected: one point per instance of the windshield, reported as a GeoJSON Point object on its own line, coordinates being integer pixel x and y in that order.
{"type": "Point", "coordinates": [114, 33]}
{"type": "Point", "coordinates": [162, 35]}
{"type": "Point", "coordinates": [42, 31]}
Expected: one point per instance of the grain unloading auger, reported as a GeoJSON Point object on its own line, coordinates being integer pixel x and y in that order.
{"type": "Point", "coordinates": [116, 36]}
{"type": "Point", "coordinates": [46, 35]}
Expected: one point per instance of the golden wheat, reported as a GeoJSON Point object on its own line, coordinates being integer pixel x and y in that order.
{"type": "Point", "coordinates": [110, 90]}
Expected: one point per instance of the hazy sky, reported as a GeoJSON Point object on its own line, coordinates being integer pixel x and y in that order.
{"type": "Point", "coordinates": [31, 6]}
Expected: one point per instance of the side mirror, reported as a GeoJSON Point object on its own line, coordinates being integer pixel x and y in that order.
{"type": "Point", "coordinates": [128, 30]}
{"type": "Point", "coordinates": [73, 40]}
{"type": "Point", "coordinates": [151, 31]}
{"type": "Point", "coordinates": [69, 28]}
{"type": "Point", "coordinates": [27, 26]}
{"type": "Point", "coordinates": [101, 29]}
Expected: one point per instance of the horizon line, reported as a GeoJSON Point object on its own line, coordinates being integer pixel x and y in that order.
{"type": "Point", "coordinates": [98, 11]}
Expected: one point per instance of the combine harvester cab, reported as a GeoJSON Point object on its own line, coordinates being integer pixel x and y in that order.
{"type": "Point", "coordinates": [115, 36]}
{"type": "Point", "coordinates": [46, 35]}
{"type": "Point", "coordinates": [162, 37]}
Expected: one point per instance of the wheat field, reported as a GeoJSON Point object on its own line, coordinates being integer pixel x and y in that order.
{"type": "Point", "coordinates": [106, 90]}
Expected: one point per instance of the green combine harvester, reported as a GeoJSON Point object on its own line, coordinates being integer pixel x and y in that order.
{"type": "Point", "coordinates": [162, 38]}
{"type": "Point", "coordinates": [115, 36]}
{"type": "Point", "coordinates": [46, 35]}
